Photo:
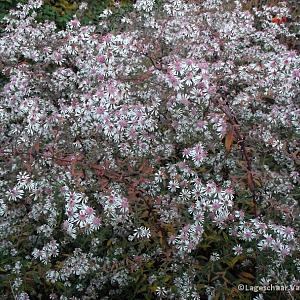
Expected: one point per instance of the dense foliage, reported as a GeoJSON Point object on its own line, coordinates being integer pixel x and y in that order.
{"type": "Point", "coordinates": [62, 11]}
{"type": "Point", "coordinates": [155, 159]}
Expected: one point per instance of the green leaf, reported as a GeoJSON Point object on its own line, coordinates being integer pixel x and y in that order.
{"type": "Point", "coordinates": [231, 262]}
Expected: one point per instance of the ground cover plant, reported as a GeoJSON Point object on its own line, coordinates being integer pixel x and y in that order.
{"type": "Point", "coordinates": [155, 159]}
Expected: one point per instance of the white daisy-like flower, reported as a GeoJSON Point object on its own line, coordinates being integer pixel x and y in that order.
{"type": "Point", "coordinates": [161, 291]}
{"type": "Point", "coordinates": [238, 249]}
{"type": "Point", "coordinates": [23, 179]}
{"type": "Point", "coordinates": [214, 257]}
{"type": "Point", "coordinates": [15, 194]}
{"type": "Point", "coordinates": [142, 232]}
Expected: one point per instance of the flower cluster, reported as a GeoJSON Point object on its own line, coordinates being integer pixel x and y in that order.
{"type": "Point", "coordinates": [79, 213]}
{"type": "Point", "coordinates": [157, 159]}
{"type": "Point", "coordinates": [48, 251]}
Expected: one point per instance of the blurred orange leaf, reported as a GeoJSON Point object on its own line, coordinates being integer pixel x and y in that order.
{"type": "Point", "coordinates": [229, 140]}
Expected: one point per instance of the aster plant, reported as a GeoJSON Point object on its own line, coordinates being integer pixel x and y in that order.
{"type": "Point", "coordinates": [153, 159]}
